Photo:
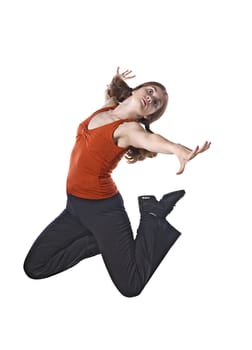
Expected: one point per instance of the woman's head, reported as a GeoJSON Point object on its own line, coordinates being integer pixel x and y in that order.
{"type": "Point", "coordinates": [151, 96]}
{"type": "Point", "coordinates": [153, 100]}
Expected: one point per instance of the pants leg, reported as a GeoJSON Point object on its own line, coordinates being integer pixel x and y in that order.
{"type": "Point", "coordinates": [60, 246]}
{"type": "Point", "coordinates": [130, 262]}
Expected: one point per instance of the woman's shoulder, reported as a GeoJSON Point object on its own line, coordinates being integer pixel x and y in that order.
{"type": "Point", "coordinates": [127, 127]}
{"type": "Point", "coordinates": [128, 131]}
{"type": "Point", "coordinates": [131, 125]}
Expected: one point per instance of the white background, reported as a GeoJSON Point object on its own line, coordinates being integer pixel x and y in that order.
{"type": "Point", "coordinates": [56, 59]}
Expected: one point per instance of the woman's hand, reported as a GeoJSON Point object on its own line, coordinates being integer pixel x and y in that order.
{"type": "Point", "coordinates": [124, 75]}
{"type": "Point", "coordinates": [185, 154]}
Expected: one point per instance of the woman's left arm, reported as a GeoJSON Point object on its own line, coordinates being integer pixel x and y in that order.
{"type": "Point", "coordinates": [137, 137]}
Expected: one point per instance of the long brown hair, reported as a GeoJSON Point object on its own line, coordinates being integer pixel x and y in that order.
{"type": "Point", "coordinates": [119, 90]}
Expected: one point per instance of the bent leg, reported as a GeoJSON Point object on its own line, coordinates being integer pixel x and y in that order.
{"type": "Point", "coordinates": [60, 246]}
{"type": "Point", "coordinates": [129, 262]}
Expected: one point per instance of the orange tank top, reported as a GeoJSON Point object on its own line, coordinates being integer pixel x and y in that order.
{"type": "Point", "coordinates": [94, 156]}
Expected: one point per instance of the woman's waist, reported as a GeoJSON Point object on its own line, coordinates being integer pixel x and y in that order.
{"type": "Point", "coordinates": [91, 186]}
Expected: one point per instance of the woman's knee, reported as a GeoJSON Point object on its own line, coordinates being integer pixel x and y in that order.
{"type": "Point", "coordinates": [130, 291]}
{"type": "Point", "coordinates": [32, 271]}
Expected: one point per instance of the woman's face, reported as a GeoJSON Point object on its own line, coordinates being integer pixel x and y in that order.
{"type": "Point", "coordinates": [148, 99]}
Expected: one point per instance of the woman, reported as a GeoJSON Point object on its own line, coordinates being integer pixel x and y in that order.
{"type": "Point", "coordinates": [94, 220]}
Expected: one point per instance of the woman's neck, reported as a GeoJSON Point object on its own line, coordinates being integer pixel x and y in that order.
{"type": "Point", "coordinates": [123, 111]}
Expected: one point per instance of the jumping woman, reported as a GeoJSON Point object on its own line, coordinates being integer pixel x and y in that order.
{"type": "Point", "coordinates": [94, 220]}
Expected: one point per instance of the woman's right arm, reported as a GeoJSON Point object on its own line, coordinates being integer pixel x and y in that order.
{"type": "Point", "coordinates": [109, 99]}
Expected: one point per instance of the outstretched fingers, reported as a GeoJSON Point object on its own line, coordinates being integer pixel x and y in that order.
{"type": "Point", "coordinates": [203, 148]}
{"type": "Point", "coordinates": [193, 153]}
{"type": "Point", "coordinates": [198, 150]}
{"type": "Point", "coordinates": [125, 74]}
{"type": "Point", "coordinates": [184, 160]}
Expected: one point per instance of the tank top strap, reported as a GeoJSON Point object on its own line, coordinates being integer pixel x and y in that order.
{"type": "Point", "coordinates": [84, 125]}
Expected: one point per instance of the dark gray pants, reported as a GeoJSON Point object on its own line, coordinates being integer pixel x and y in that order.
{"type": "Point", "coordinates": [89, 227]}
